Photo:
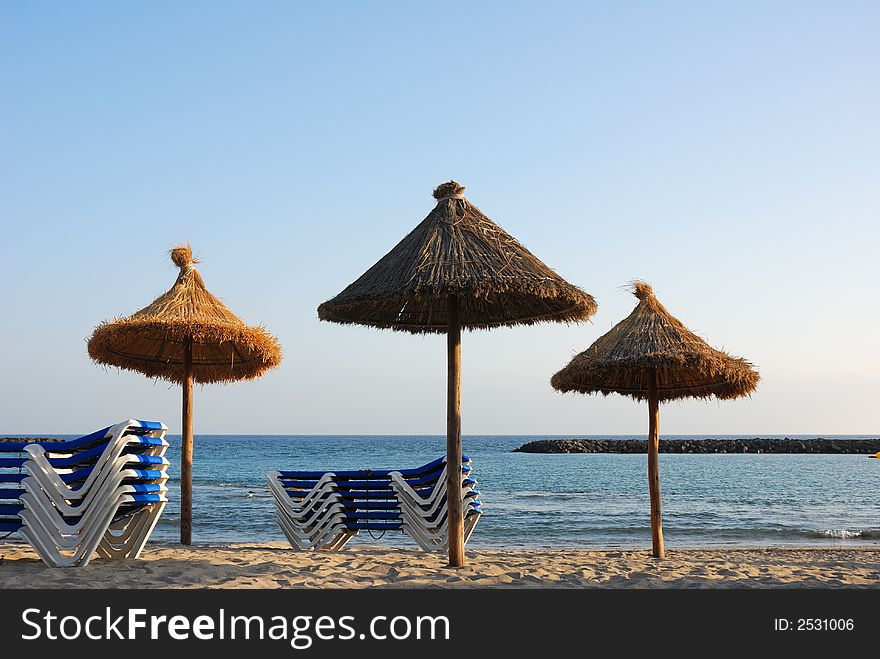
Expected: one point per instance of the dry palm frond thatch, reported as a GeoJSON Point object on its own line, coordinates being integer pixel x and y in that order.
{"type": "Point", "coordinates": [651, 338]}
{"type": "Point", "coordinates": [151, 340]}
{"type": "Point", "coordinates": [457, 250]}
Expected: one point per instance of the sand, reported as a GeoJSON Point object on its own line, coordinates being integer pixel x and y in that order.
{"type": "Point", "coordinates": [275, 565]}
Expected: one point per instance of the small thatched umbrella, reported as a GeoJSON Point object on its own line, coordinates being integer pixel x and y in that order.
{"type": "Point", "coordinates": [186, 335]}
{"type": "Point", "coordinates": [457, 269]}
{"type": "Point", "coordinates": [651, 355]}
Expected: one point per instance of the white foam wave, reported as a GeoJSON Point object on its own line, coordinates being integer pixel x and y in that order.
{"type": "Point", "coordinates": [842, 534]}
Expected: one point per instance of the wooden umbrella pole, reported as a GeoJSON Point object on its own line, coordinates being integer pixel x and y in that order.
{"type": "Point", "coordinates": [658, 550]}
{"type": "Point", "coordinates": [453, 434]}
{"type": "Point", "coordinates": [186, 450]}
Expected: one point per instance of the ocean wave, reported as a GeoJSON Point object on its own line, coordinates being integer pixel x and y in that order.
{"type": "Point", "coordinates": [568, 494]}
{"type": "Point", "coordinates": [846, 534]}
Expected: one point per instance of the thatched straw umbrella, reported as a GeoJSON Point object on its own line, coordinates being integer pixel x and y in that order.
{"type": "Point", "coordinates": [651, 355]}
{"type": "Point", "coordinates": [186, 335]}
{"type": "Point", "coordinates": [457, 269]}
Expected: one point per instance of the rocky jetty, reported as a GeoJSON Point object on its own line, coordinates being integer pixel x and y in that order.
{"type": "Point", "coordinates": [755, 445]}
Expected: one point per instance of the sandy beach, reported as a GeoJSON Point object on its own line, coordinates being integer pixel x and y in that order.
{"type": "Point", "coordinates": [274, 565]}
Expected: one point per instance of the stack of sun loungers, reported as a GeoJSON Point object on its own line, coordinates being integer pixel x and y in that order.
{"type": "Point", "coordinates": [324, 510]}
{"type": "Point", "coordinates": [100, 493]}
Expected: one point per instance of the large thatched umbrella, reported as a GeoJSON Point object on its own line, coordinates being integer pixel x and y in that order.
{"type": "Point", "coordinates": [457, 269]}
{"type": "Point", "coordinates": [186, 335]}
{"type": "Point", "coordinates": [650, 355]}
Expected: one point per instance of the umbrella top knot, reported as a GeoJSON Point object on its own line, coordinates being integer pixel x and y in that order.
{"type": "Point", "coordinates": [449, 190]}
{"type": "Point", "coordinates": [642, 289]}
{"type": "Point", "coordinates": [182, 256]}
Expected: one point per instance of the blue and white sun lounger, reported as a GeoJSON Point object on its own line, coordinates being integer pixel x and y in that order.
{"type": "Point", "coordinates": [324, 510]}
{"type": "Point", "coordinates": [100, 493]}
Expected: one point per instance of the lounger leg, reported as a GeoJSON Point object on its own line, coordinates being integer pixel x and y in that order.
{"type": "Point", "coordinates": [340, 541]}
{"type": "Point", "coordinates": [136, 534]}
{"type": "Point", "coordinates": [149, 525]}
{"type": "Point", "coordinates": [470, 523]}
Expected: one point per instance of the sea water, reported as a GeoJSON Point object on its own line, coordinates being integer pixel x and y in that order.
{"type": "Point", "coordinates": [572, 500]}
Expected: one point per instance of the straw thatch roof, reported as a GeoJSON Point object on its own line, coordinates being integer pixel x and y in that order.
{"type": "Point", "coordinates": [652, 338]}
{"type": "Point", "coordinates": [456, 250]}
{"type": "Point", "coordinates": [151, 340]}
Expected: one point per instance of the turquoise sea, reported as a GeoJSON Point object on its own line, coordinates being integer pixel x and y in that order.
{"type": "Point", "coordinates": [594, 500]}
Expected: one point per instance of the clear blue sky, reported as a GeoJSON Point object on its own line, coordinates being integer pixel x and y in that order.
{"type": "Point", "coordinates": [727, 152]}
